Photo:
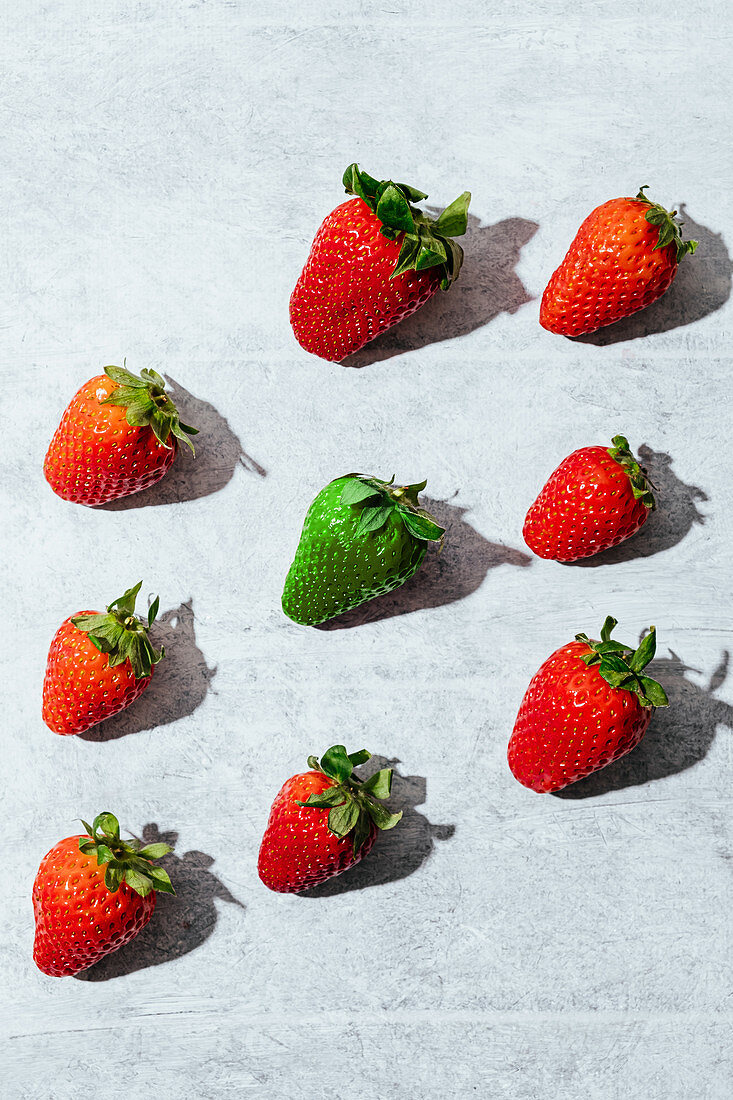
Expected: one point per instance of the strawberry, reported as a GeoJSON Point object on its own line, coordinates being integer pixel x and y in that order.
{"type": "Point", "coordinates": [623, 257]}
{"type": "Point", "coordinates": [323, 821]}
{"type": "Point", "coordinates": [373, 262]}
{"type": "Point", "coordinates": [588, 704]}
{"type": "Point", "coordinates": [361, 537]}
{"type": "Point", "coordinates": [98, 664]}
{"type": "Point", "coordinates": [93, 893]}
{"type": "Point", "coordinates": [118, 436]}
{"type": "Point", "coordinates": [596, 498]}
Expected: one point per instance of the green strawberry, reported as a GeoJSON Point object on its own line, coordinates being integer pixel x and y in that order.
{"type": "Point", "coordinates": [361, 537]}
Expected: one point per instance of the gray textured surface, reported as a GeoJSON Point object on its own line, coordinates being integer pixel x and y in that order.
{"type": "Point", "coordinates": [163, 170]}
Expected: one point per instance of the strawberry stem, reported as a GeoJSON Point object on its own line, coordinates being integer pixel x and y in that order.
{"type": "Point", "coordinates": [377, 500]}
{"type": "Point", "coordinates": [121, 635]}
{"type": "Point", "coordinates": [148, 404]}
{"type": "Point", "coordinates": [622, 666]}
{"type": "Point", "coordinates": [126, 861]}
{"type": "Point", "coordinates": [426, 242]}
{"type": "Point", "coordinates": [637, 476]}
{"type": "Point", "coordinates": [352, 803]}
{"type": "Point", "coordinates": [670, 228]}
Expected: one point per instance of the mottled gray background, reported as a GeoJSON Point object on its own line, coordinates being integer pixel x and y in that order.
{"type": "Point", "coordinates": [164, 167]}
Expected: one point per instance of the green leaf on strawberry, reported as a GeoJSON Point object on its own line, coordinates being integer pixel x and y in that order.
{"type": "Point", "coordinates": [356, 491]}
{"type": "Point", "coordinates": [336, 764]}
{"type": "Point", "coordinates": [426, 242]}
{"type": "Point", "coordinates": [155, 851]}
{"type": "Point", "coordinates": [161, 880]}
{"type": "Point", "coordinates": [371, 519]}
{"type": "Point", "coordinates": [332, 796]}
{"type": "Point", "coordinates": [412, 193]}
{"type": "Point", "coordinates": [121, 635]}
{"type": "Point", "coordinates": [380, 784]}
{"type": "Point", "coordinates": [621, 665]}
{"type": "Point", "coordinates": [420, 524]}
{"type": "Point", "coordinates": [343, 818]}
{"type": "Point", "coordinates": [352, 804]}
{"type": "Point", "coordinates": [125, 860]}
{"type": "Point", "coordinates": [381, 817]}
{"type": "Point", "coordinates": [670, 229]}
{"type": "Point", "coordinates": [359, 757]}
{"type": "Point", "coordinates": [147, 403]}
{"type": "Point", "coordinates": [453, 222]}
{"type": "Point", "coordinates": [393, 210]}
{"type": "Point", "coordinates": [640, 484]}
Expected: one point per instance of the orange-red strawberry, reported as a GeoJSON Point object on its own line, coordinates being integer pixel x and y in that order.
{"type": "Point", "coordinates": [93, 893]}
{"type": "Point", "coordinates": [588, 704]}
{"type": "Point", "coordinates": [373, 262]}
{"type": "Point", "coordinates": [623, 257]}
{"type": "Point", "coordinates": [98, 664]}
{"type": "Point", "coordinates": [596, 498]}
{"type": "Point", "coordinates": [118, 436]}
{"type": "Point", "coordinates": [323, 821]}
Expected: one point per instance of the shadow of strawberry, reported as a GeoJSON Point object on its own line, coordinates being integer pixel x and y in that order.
{"type": "Point", "coordinates": [180, 923]}
{"type": "Point", "coordinates": [678, 737]}
{"type": "Point", "coordinates": [399, 852]}
{"type": "Point", "coordinates": [447, 575]}
{"type": "Point", "coordinates": [677, 512]}
{"type": "Point", "coordinates": [218, 454]}
{"type": "Point", "coordinates": [180, 684]}
{"type": "Point", "coordinates": [487, 286]}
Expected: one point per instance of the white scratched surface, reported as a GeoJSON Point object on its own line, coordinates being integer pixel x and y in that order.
{"type": "Point", "coordinates": [163, 169]}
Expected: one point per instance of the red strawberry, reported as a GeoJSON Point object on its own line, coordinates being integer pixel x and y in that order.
{"type": "Point", "coordinates": [588, 704]}
{"type": "Point", "coordinates": [97, 665]}
{"type": "Point", "coordinates": [307, 839]}
{"type": "Point", "coordinates": [623, 258]}
{"type": "Point", "coordinates": [93, 893]}
{"type": "Point", "coordinates": [118, 436]}
{"type": "Point", "coordinates": [596, 498]}
{"type": "Point", "coordinates": [374, 261]}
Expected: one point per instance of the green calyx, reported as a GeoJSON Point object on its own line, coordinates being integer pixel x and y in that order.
{"type": "Point", "coordinates": [427, 242]}
{"type": "Point", "coordinates": [670, 229]}
{"type": "Point", "coordinates": [353, 805]}
{"type": "Point", "coordinates": [121, 635]}
{"type": "Point", "coordinates": [125, 860]}
{"type": "Point", "coordinates": [638, 478]}
{"type": "Point", "coordinates": [622, 666]}
{"type": "Point", "coordinates": [377, 500]}
{"type": "Point", "coordinates": [148, 405]}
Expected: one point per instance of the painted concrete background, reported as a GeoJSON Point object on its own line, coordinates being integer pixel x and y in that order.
{"type": "Point", "coordinates": [163, 169]}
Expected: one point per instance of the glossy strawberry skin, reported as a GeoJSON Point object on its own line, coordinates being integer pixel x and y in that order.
{"type": "Point", "coordinates": [95, 456]}
{"type": "Point", "coordinates": [586, 506]}
{"type": "Point", "coordinates": [611, 270]}
{"type": "Point", "coordinates": [345, 295]}
{"type": "Point", "coordinates": [78, 920]}
{"type": "Point", "coordinates": [571, 723]}
{"type": "Point", "coordinates": [80, 689]}
{"type": "Point", "coordinates": [298, 850]}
